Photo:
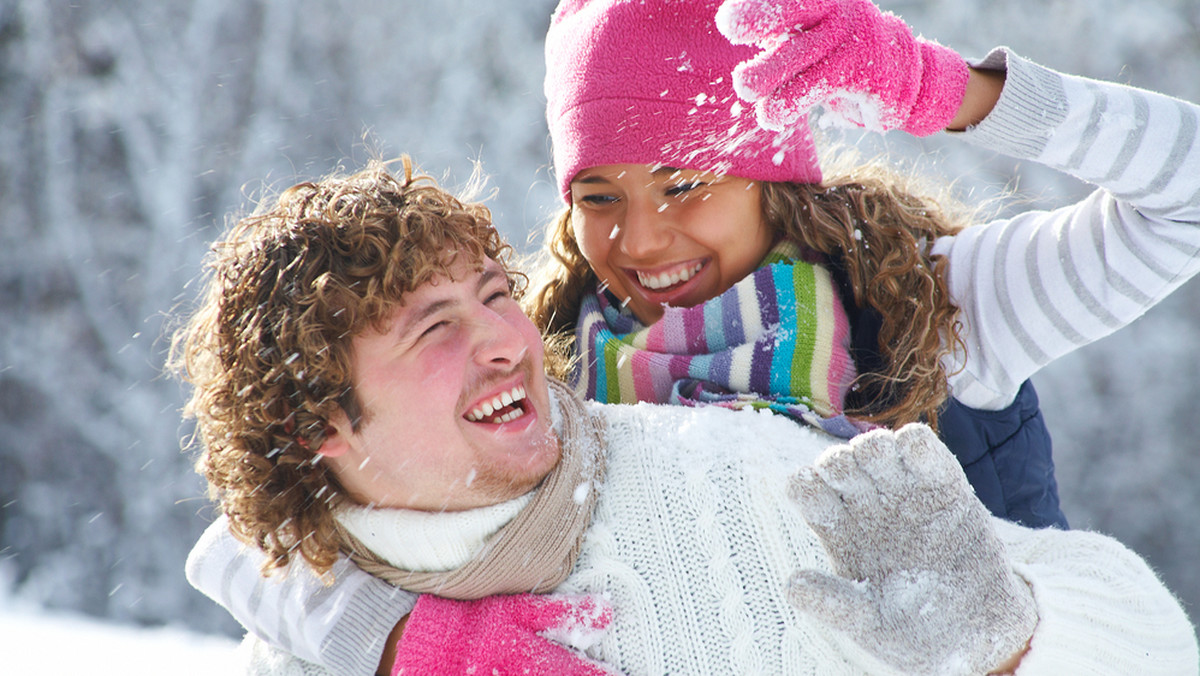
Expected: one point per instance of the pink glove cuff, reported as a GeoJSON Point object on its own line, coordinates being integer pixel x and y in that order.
{"type": "Point", "coordinates": [942, 90]}
{"type": "Point", "coordinates": [517, 634]}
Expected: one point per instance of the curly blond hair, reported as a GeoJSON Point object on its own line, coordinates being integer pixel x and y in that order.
{"type": "Point", "coordinates": [873, 224]}
{"type": "Point", "coordinates": [267, 350]}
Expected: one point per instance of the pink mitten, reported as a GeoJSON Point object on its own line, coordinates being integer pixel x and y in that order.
{"type": "Point", "coordinates": [519, 634]}
{"type": "Point", "coordinates": [863, 64]}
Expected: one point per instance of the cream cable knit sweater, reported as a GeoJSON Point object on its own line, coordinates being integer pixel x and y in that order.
{"type": "Point", "coordinates": [694, 538]}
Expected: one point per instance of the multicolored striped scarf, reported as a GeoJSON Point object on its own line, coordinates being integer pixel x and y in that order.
{"type": "Point", "coordinates": [777, 339]}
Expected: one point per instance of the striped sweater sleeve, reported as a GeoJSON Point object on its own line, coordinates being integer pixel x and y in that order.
{"type": "Point", "coordinates": [1037, 286]}
{"type": "Point", "coordinates": [340, 625]}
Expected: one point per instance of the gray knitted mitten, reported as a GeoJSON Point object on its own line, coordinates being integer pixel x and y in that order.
{"type": "Point", "coordinates": [923, 582]}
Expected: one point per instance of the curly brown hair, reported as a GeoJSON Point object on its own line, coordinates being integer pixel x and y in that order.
{"type": "Point", "coordinates": [874, 225]}
{"type": "Point", "coordinates": [267, 350]}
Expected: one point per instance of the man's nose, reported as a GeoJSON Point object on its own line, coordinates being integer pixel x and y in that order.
{"type": "Point", "coordinates": [499, 342]}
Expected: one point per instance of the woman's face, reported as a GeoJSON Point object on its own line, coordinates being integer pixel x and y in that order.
{"type": "Point", "coordinates": [661, 236]}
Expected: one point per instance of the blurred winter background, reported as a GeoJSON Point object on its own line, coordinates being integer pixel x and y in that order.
{"type": "Point", "coordinates": [130, 129]}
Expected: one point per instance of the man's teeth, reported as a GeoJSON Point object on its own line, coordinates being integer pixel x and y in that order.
{"type": "Point", "coordinates": [497, 403]}
{"type": "Point", "coordinates": [667, 279]}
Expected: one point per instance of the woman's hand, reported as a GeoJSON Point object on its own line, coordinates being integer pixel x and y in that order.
{"type": "Point", "coordinates": [862, 64]}
{"type": "Point", "coordinates": [501, 634]}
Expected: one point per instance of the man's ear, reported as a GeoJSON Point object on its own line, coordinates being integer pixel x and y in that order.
{"type": "Point", "coordinates": [337, 435]}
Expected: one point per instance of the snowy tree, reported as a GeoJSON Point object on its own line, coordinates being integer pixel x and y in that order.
{"type": "Point", "coordinates": [129, 130]}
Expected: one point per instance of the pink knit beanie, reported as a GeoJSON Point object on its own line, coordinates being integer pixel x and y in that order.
{"type": "Point", "coordinates": [649, 81]}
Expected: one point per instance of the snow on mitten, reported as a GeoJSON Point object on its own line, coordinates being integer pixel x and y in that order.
{"type": "Point", "coordinates": [922, 581]}
{"type": "Point", "coordinates": [502, 635]}
{"type": "Point", "coordinates": [862, 64]}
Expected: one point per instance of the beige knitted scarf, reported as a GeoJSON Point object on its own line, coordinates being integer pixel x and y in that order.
{"type": "Point", "coordinates": [537, 549]}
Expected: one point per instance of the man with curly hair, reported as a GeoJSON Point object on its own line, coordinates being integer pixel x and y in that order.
{"type": "Point", "coordinates": [298, 295]}
{"type": "Point", "coordinates": [365, 383]}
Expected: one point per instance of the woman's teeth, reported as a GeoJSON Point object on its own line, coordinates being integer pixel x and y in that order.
{"type": "Point", "coordinates": [667, 279]}
{"type": "Point", "coordinates": [499, 402]}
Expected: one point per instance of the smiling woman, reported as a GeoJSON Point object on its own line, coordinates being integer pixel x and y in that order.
{"type": "Point", "coordinates": [665, 236]}
{"type": "Point", "coordinates": [704, 257]}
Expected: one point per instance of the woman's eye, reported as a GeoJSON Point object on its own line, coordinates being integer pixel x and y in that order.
{"type": "Point", "coordinates": [597, 200]}
{"type": "Point", "coordinates": [684, 188]}
{"type": "Point", "coordinates": [498, 295]}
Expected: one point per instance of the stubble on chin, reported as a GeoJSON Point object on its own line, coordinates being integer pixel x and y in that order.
{"type": "Point", "coordinates": [514, 480]}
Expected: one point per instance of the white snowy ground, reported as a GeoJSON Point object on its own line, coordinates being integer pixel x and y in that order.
{"type": "Point", "coordinates": [34, 642]}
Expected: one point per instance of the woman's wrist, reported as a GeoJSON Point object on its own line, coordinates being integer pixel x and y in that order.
{"type": "Point", "coordinates": [983, 91]}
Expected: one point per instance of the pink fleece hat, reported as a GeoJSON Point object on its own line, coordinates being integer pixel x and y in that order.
{"type": "Point", "coordinates": [650, 81]}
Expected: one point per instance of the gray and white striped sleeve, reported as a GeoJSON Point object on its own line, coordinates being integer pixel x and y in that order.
{"type": "Point", "coordinates": [1037, 286]}
{"type": "Point", "coordinates": [340, 625]}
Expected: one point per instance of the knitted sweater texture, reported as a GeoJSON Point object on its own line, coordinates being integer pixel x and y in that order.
{"type": "Point", "coordinates": [694, 538]}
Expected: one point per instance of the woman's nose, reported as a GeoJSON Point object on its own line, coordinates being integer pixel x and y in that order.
{"type": "Point", "coordinates": [645, 231]}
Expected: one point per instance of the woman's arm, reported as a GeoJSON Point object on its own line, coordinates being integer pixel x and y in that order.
{"type": "Point", "coordinates": [389, 648]}
{"type": "Point", "coordinates": [351, 623]}
{"type": "Point", "coordinates": [1039, 285]}
{"type": "Point", "coordinates": [342, 624]}
{"type": "Point", "coordinates": [983, 91]}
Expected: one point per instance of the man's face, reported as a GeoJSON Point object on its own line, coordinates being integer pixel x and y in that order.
{"type": "Point", "coordinates": [455, 404]}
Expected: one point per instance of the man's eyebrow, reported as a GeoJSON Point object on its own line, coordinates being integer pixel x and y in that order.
{"type": "Point", "coordinates": [488, 276]}
{"type": "Point", "coordinates": [419, 316]}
